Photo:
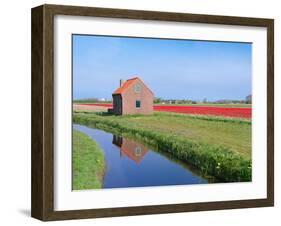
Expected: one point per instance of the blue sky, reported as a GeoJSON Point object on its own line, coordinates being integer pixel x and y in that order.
{"type": "Point", "coordinates": [173, 69]}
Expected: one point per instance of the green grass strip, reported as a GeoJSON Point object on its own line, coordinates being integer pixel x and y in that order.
{"type": "Point", "coordinates": [88, 163]}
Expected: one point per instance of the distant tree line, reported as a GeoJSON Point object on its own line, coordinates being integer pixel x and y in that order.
{"type": "Point", "coordinates": [93, 100]}
{"type": "Point", "coordinates": [158, 100]}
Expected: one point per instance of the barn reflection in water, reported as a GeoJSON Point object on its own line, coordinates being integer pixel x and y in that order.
{"type": "Point", "coordinates": [129, 148]}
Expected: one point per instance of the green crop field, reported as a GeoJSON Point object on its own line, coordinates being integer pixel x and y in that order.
{"type": "Point", "coordinates": [88, 162]}
{"type": "Point", "coordinates": [219, 147]}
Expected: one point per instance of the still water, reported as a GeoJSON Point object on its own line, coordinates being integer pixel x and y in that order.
{"type": "Point", "coordinates": [133, 164]}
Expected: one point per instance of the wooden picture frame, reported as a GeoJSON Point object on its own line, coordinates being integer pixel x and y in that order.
{"type": "Point", "coordinates": [42, 203]}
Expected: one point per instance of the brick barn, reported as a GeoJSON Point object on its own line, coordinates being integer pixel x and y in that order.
{"type": "Point", "coordinates": [132, 97]}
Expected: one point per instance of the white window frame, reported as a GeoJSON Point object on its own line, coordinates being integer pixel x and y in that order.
{"type": "Point", "coordinates": [140, 103]}
{"type": "Point", "coordinates": [137, 88]}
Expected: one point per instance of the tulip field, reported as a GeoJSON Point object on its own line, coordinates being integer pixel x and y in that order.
{"type": "Point", "coordinates": [202, 110]}
{"type": "Point", "coordinates": [234, 112]}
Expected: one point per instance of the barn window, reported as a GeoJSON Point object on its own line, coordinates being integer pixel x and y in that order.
{"type": "Point", "coordinates": [138, 103]}
{"type": "Point", "coordinates": [137, 88]}
{"type": "Point", "coordinates": [138, 151]}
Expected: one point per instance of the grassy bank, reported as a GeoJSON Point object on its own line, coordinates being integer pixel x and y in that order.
{"type": "Point", "coordinates": [220, 148]}
{"type": "Point", "coordinates": [88, 162]}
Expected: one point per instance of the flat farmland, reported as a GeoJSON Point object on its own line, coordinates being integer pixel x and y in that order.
{"type": "Point", "coordinates": [243, 111]}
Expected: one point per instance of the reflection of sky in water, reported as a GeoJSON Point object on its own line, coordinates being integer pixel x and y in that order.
{"type": "Point", "coordinates": [131, 164]}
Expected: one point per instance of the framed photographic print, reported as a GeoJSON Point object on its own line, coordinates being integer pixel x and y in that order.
{"type": "Point", "coordinates": [141, 112]}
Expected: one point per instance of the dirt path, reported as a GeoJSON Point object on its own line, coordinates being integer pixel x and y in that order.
{"type": "Point", "coordinates": [92, 108]}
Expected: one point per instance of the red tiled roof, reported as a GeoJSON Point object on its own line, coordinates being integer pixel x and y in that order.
{"type": "Point", "coordinates": [126, 84]}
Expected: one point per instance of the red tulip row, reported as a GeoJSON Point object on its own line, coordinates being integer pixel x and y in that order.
{"type": "Point", "coordinates": [200, 110]}
{"type": "Point", "coordinates": [206, 110]}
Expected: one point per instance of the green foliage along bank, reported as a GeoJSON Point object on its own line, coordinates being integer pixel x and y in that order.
{"type": "Point", "coordinates": [196, 141]}
{"type": "Point", "coordinates": [88, 163]}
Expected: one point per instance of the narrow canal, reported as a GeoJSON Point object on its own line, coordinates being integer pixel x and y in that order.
{"type": "Point", "coordinates": [133, 164]}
